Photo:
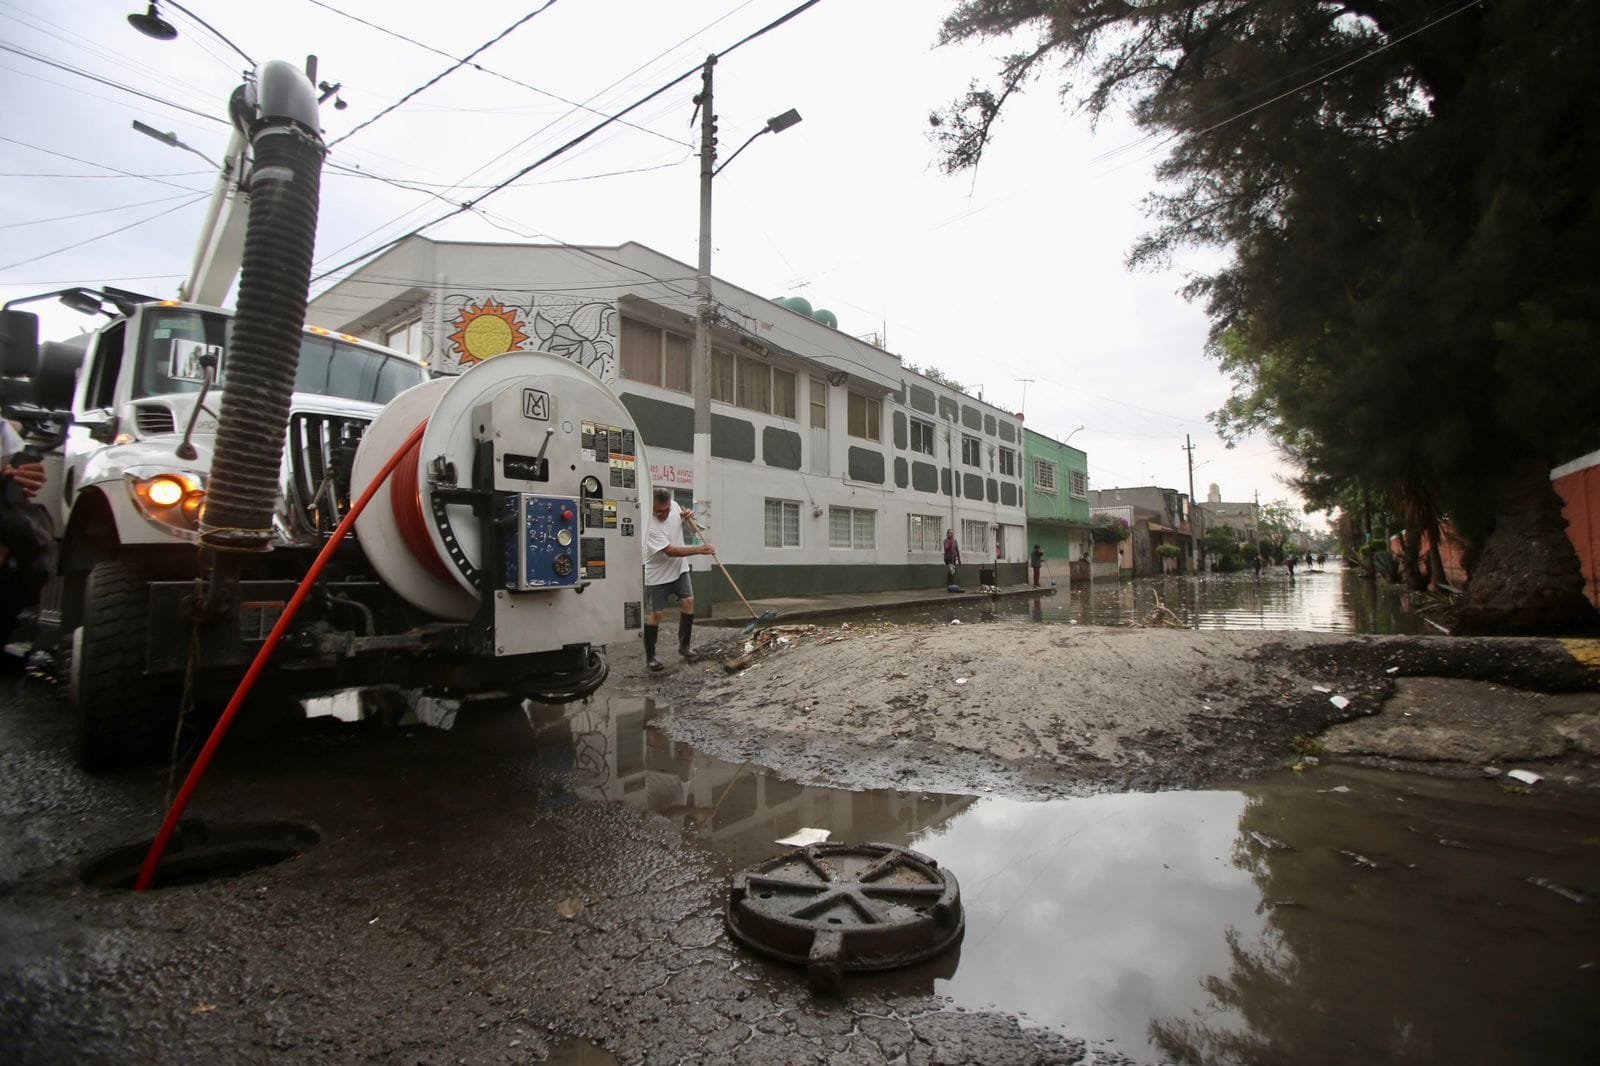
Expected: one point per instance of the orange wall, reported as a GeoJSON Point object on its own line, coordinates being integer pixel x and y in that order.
{"type": "Point", "coordinates": [1580, 497]}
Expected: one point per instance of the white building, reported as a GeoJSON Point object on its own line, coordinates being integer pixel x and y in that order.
{"type": "Point", "coordinates": [833, 468]}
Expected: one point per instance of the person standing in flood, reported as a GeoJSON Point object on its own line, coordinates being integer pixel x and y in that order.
{"type": "Point", "coordinates": [952, 556]}
{"type": "Point", "coordinates": [666, 574]}
{"type": "Point", "coordinates": [1036, 560]}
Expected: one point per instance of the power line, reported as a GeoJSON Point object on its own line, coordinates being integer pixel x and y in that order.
{"type": "Point", "coordinates": [102, 236]}
{"type": "Point", "coordinates": [485, 70]}
{"type": "Point", "coordinates": [574, 142]}
{"type": "Point", "coordinates": [90, 163]}
{"type": "Point", "coordinates": [446, 72]}
{"type": "Point", "coordinates": [106, 81]}
{"type": "Point", "coordinates": [86, 214]}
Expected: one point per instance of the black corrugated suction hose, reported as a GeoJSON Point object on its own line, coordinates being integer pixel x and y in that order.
{"type": "Point", "coordinates": [274, 277]}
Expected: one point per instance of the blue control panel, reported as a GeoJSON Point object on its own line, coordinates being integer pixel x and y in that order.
{"type": "Point", "coordinates": [541, 541]}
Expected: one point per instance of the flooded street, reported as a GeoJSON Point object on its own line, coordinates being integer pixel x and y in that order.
{"type": "Point", "coordinates": [1332, 599]}
{"type": "Point", "coordinates": [1331, 916]}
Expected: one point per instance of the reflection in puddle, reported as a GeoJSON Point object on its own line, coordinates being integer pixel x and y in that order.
{"type": "Point", "coordinates": [1331, 600]}
{"type": "Point", "coordinates": [1342, 916]}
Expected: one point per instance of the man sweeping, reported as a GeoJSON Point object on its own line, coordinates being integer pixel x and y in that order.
{"type": "Point", "coordinates": [667, 575]}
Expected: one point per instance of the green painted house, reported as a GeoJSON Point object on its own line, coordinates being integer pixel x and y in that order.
{"type": "Point", "coordinates": [1056, 499]}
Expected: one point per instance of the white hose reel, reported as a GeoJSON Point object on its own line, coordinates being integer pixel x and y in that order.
{"type": "Point", "coordinates": [554, 456]}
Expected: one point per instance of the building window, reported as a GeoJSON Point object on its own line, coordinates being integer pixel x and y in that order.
{"type": "Point", "coordinates": [406, 337]}
{"type": "Point", "coordinates": [853, 528]}
{"type": "Point", "coordinates": [653, 356]}
{"type": "Point", "coordinates": [783, 393]}
{"type": "Point", "coordinates": [1080, 483]}
{"type": "Point", "coordinates": [819, 404]}
{"type": "Point", "coordinates": [781, 523]}
{"type": "Point", "coordinates": [924, 533]}
{"type": "Point", "coordinates": [971, 450]}
{"type": "Point", "coordinates": [1008, 462]}
{"type": "Point", "coordinates": [1044, 475]}
{"type": "Point", "coordinates": [921, 436]}
{"type": "Point", "coordinates": [865, 418]}
{"type": "Point", "coordinates": [975, 540]}
{"type": "Point", "coordinates": [722, 377]}
{"type": "Point", "coordinates": [755, 385]}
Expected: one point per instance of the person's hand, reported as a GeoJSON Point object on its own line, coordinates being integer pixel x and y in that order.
{"type": "Point", "coordinates": [706, 549]}
{"type": "Point", "coordinates": [28, 476]}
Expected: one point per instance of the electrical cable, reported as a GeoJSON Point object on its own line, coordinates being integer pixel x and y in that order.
{"type": "Point", "coordinates": [445, 73]}
{"type": "Point", "coordinates": [158, 847]}
{"type": "Point", "coordinates": [24, 53]}
{"type": "Point", "coordinates": [102, 236]}
{"type": "Point", "coordinates": [86, 214]}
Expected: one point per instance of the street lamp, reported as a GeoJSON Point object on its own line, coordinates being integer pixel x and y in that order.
{"type": "Point", "coordinates": [702, 290]}
{"type": "Point", "coordinates": [1080, 429]}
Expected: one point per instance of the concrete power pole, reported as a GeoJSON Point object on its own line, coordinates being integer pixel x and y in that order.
{"type": "Point", "coordinates": [705, 306]}
{"type": "Point", "coordinates": [1194, 512]}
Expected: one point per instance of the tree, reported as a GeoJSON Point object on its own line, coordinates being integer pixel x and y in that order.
{"type": "Point", "coordinates": [1411, 197]}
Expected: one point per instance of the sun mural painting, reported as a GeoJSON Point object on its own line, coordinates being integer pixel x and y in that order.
{"type": "Point", "coordinates": [489, 329]}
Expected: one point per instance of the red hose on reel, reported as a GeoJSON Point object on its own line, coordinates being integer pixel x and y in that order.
{"type": "Point", "coordinates": [405, 497]}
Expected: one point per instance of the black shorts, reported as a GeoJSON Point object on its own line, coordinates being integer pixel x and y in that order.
{"type": "Point", "coordinates": [657, 597]}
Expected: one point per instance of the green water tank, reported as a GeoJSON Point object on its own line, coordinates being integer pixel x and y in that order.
{"type": "Point", "coordinates": [826, 317]}
{"type": "Point", "coordinates": [800, 304]}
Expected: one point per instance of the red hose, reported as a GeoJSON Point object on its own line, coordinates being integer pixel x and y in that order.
{"type": "Point", "coordinates": [158, 847]}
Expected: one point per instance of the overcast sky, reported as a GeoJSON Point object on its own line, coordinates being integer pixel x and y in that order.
{"type": "Point", "coordinates": [1010, 280]}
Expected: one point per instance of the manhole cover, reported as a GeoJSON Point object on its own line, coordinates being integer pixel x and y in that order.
{"type": "Point", "coordinates": [205, 851]}
{"type": "Point", "coordinates": [833, 908]}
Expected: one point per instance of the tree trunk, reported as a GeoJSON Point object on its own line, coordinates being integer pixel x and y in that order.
{"type": "Point", "coordinates": [1411, 559]}
{"type": "Point", "coordinates": [1527, 579]}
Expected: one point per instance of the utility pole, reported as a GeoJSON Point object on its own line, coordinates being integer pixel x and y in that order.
{"type": "Point", "coordinates": [705, 307]}
{"type": "Point", "coordinates": [1194, 511]}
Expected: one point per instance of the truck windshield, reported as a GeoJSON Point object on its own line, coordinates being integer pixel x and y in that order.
{"type": "Point", "coordinates": [178, 342]}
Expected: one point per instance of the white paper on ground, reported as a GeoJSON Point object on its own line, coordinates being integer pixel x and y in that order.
{"type": "Point", "coordinates": [803, 838]}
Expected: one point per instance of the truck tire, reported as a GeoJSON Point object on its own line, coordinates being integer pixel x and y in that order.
{"type": "Point", "coordinates": [123, 716]}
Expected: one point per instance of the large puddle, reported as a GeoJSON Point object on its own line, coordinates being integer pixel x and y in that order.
{"type": "Point", "coordinates": [1326, 600]}
{"type": "Point", "coordinates": [1336, 916]}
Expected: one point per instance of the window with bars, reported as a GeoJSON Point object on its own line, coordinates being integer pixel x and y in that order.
{"type": "Point", "coordinates": [921, 436]}
{"type": "Point", "coordinates": [781, 523]}
{"type": "Point", "coordinates": [865, 418]}
{"type": "Point", "coordinates": [852, 528]}
{"type": "Point", "coordinates": [1044, 475]}
{"type": "Point", "coordinates": [925, 533]}
{"type": "Point", "coordinates": [975, 544]}
{"type": "Point", "coordinates": [1080, 484]}
{"type": "Point", "coordinates": [971, 450]}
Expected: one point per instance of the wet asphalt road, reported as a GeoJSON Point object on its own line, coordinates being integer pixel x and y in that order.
{"type": "Point", "coordinates": [464, 904]}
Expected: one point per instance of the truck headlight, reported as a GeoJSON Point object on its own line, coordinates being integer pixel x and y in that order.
{"type": "Point", "coordinates": [170, 498]}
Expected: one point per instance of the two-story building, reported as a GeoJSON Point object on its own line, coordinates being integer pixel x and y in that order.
{"type": "Point", "coordinates": [1155, 516]}
{"type": "Point", "coordinates": [832, 468]}
{"type": "Point", "coordinates": [1058, 505]}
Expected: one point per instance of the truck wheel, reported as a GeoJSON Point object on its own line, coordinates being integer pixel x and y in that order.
{"type": "Point", "coordinates": [121, 714]}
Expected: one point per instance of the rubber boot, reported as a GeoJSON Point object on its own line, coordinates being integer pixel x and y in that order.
{"type": "Point", "coordinates": [685, 633]}
{"type": "Point", "coordinates": [650, 659]}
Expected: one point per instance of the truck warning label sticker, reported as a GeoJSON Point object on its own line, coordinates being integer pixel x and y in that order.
{"type": "Point", "coordinates": [592, 558]}
{"type": "Point", "coordinates": [632, 615]}
{"type": "Point", "coordinates": [536, 404]}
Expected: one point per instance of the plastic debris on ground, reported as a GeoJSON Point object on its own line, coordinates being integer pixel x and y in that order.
{"type": "Point", "coordinates": [1527, 777]}
{"type": "Point", "coordinates": [1339, 702]}
{"type": "Point", "coordinates": [803, 838]}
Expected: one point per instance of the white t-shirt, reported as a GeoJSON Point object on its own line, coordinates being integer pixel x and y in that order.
{"type": "Point", "coordinates": [10, 441]}
{"type": "Point", "coordinates": [659, 567]}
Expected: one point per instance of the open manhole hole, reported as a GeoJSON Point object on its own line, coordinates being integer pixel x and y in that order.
{"type": "Point", "coordinates": [205, 851]}
{"type": "Point", "coordinates": [836, 908]}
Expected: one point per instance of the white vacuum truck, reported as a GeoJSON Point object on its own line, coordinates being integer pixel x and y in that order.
{"type": "Point", "coordinates": [198, 460]}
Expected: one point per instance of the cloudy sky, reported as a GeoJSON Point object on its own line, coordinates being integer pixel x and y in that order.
{"type": "Point", "coordinates": [1010, 280]}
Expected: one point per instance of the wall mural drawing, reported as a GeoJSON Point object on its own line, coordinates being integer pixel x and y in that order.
{"type": "Point", "coordinates": [583, 331]}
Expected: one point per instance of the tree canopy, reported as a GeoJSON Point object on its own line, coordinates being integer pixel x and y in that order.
{"type": "Point", "coordinates": [1410, 192]}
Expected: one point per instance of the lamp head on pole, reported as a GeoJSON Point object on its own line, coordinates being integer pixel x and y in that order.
{"type": "Point", "coordinates": [779, 123]}
{"type": "Point", "coordinates": [151, 24]}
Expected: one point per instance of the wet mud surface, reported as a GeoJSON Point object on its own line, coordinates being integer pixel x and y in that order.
{"type": "Point", "coordinates": [533, 886]}
{"type": "Point", "coordinates": [1053, 710]}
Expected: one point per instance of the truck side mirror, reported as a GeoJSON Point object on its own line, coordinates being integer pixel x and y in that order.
{"type": "Point", "coordinates": [103, 430]}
